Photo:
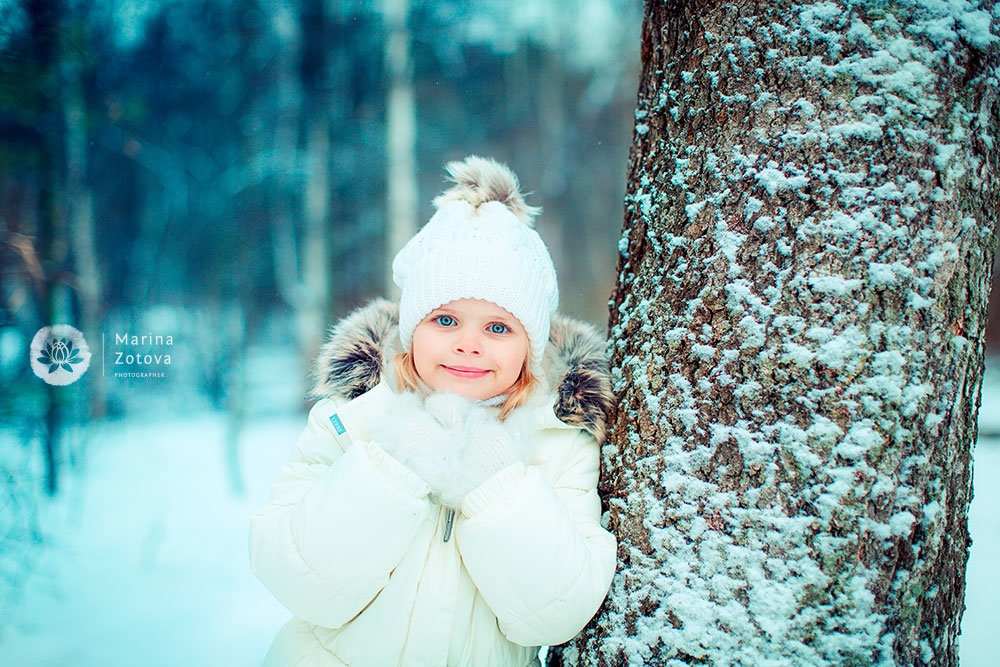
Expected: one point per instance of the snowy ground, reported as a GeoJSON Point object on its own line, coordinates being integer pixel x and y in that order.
{"type": "Point", "coordinates": [980, 642]}
{"type": "Point", "coordinates": [144, 554]}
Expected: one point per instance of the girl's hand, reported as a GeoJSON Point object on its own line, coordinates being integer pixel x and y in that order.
{"type": "Point", "coordinates": [452, 443]}
{"type": "Point", "coordinates": [487, 447]}
{"type": "Point", "coordinates": [451, 410]}
{"type": "Point", "coordinates": [408, 431]}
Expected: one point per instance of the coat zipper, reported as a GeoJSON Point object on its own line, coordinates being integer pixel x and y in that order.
{"type": "Point", "coordinates": [449, 521]}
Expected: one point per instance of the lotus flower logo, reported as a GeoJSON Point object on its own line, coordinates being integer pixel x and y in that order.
{"type": "Point", "coordinates": [59, 354]}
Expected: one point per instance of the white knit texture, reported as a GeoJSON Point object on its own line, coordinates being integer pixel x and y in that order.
{"type": "Point", "coordinates": [452, 443]}
{"type": "Point", "coordinates": [478, 253]}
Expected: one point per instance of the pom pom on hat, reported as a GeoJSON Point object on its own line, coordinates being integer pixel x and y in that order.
{"type": "Point", "coordinates": [479, 180]}
{"type": "Point", "coordinates": [479, 245]}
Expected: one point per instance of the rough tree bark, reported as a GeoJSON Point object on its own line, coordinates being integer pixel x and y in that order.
{"type": "Point", "coordinates": [797, 334]}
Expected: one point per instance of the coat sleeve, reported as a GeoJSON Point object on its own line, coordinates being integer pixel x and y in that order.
{"type": "Point", "coordinates": [341, 517]}
{"type": "Point", "coordinates": [535, 548]}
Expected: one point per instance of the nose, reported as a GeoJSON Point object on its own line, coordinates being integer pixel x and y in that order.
{"type": "Point", "coordinates": [468, 343]}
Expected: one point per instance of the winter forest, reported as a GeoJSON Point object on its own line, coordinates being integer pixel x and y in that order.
{"type": "Point", "coordinates": [783, 215]}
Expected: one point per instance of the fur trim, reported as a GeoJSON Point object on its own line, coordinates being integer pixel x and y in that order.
{"type": "Point", "coordinates": [583, 384]}
{"type": "Point", "coordinates": [358, 348]}
{"type": "Point", "coordinates": [350, 362]}
{"type": "Point", "coordinates": [479, 180]}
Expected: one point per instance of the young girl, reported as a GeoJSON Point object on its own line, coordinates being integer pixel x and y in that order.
{"type": "Point", "coordinates": [440, 507]}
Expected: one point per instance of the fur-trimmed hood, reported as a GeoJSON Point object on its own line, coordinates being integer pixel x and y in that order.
{"type": "Point", "coordinates": [351, 360]}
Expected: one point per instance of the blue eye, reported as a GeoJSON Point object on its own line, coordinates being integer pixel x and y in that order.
{"type": "Point", "coordinates": [445, 320]}
{"type": "Point", "coordinates": [498, 328]}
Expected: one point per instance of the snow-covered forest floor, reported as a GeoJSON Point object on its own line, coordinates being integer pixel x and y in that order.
{"type": "Point", "coordinates": [143, 555]}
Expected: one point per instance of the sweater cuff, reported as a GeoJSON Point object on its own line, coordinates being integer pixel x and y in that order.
{"type": "Point", "coordinates": [395, 472]}
{"type": "Point", "coordinates": [493, 490]}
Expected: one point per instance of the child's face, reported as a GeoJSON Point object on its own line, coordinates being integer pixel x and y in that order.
{"type": "Point", "coordinates": [470, 347]}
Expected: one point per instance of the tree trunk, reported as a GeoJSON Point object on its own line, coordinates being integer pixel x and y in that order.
{"type": "Point", "coordinates": [797, 335]}
{"type": "Point", "coordinates": [315, 255]}
{"type": "Point", "coordinates": [401, 131]}
{"type": "Point", "coordinates": [45, 20]}
{"type": "Point", "coordinates": [80, 211]}
{"type": "Point", "coordinates": [314, 251]}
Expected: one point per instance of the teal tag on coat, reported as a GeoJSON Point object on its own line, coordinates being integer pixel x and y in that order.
{"type": "Point", "coordinates": [337, 424]}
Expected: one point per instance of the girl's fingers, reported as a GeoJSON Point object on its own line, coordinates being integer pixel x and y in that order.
{"type": "Point", "coordinates": [448, 409]}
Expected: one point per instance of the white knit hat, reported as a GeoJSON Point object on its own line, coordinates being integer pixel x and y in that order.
{"type": "Point", "coordinates": [479, 245]}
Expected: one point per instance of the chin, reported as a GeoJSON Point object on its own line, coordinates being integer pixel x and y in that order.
{"type": "Point", "coordinates": [467, 390]}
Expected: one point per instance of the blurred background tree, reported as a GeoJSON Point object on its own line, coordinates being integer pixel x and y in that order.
{"type": "Point", "coordinates": [229, 172]}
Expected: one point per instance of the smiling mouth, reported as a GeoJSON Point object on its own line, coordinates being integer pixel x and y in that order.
{"type": "Point", "coordinates": [465, 371]}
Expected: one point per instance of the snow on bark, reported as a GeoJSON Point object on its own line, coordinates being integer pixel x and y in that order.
{"type": "Point", "coordinates": [797, 334]}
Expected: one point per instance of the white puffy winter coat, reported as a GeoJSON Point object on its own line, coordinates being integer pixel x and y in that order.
{"type": "Point", "coordinates": [354, 547]}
